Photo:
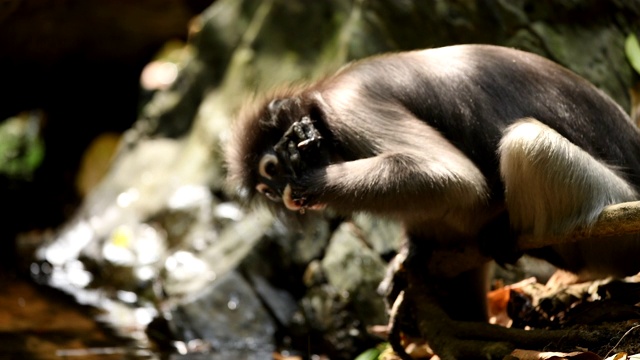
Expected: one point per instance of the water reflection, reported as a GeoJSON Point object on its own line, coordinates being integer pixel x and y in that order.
{"type": "Point", "coordinates": [135, 267]}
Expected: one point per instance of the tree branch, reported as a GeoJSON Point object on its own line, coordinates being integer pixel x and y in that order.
{"type": "Point", "coordinates": [614, 220]}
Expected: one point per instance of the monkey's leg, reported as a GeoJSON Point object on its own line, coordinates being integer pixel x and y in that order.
{"type": "Point", "coordinates": [393, 288]}
{"type": "Point", "coordinates": [425, 304]}
{"type": "Point", "coordinates": [455, 339]}
{"type": "Point", "coordinates": [446, 337]}
{"type": "Point", "coordinates": [458, 339]}
{"type": "Point", "coordinates": [398, 311]}
{"type": "Point", "coordinates": [437, 307]}
{"type": "Point", "coordinates": [553, 186]}
{"type": "Point", "coordinates": [420, 307]}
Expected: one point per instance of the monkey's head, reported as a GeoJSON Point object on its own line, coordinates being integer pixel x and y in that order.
{"type": "Point", "coordinates": [254, 168]}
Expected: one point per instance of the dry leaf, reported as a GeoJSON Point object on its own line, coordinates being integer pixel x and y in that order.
{"type": "Point", "coordinates": [537, 355]}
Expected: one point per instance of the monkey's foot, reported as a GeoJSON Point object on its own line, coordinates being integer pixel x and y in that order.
{"type": "Point", "coordinates": [439, 330]}
{"type": "Point", "coordinates": [451, 339]}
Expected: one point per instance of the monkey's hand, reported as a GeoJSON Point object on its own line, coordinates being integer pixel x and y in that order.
{"type": "Point", "coordinates": [299, 149]}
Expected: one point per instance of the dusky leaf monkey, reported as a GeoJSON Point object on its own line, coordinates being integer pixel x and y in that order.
{"type": "Point", "coordinates": [451, 142]}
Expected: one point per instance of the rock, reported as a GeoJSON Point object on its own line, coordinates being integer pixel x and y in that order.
{"type": "Point", "coordinates": [383, 236]}
{"type": "Point", "coordinates": [333, 327]}
{"type": "Point", "coordinates": [228, 316]}
{"type": "Point", "coordinates": [356, 271]}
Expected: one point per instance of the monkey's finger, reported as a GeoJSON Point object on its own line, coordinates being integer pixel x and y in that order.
{"type": "Point", "coordinates": [281, 146]}
{"type": "Point", "coordinates": [293, 133]}
{"type": "Point", "coordinates": [294, 154]}
{"type": "Point", "coordinates": [283, 152]}
{"type": "Point", "coordinates": [312, 133]}
{"type": "Point", "coordinates": [305, 143]}
{"type": "Point", "coordinates": [308, 127]}
{"type": "Point", "coordinates": [293, 158]}
{"type": "Point", "coordinates": [305, 129]}
{"type": "Point", "coordinates": [290, 131]}
{"type": "Point", "coordinates": [298, 129]}
{"type": "Point", "coordinates": [312, 136]}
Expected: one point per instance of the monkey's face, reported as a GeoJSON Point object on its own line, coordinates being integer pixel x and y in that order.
{"type": "Point", "coordinates": [271, 181]}
{"type": "Point", "coordinates": [273, 151]}
{"type": "Point", "coordinates": [254, 167]}
{"type": "Point", "coordinates": [274, 183]}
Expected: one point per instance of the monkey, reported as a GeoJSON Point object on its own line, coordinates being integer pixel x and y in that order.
{"type": "Point", "coordinates": [460, 144]}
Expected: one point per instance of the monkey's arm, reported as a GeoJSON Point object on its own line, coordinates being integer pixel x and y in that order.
{"type": "Point", "coordinates": [410, 164]}
{"type": "Point", "coordinates": [395, 183]}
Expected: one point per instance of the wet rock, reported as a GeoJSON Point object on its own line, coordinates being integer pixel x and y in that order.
{"type": "Point", "coordinates": [229, 316]}
{"type": "Point", "coordinates": [334, 327]}
{"type": "Point", "coordinates": [276, 265]}
{"type": "Point", "coordinates": [187, 217]}
{"type": "Point", "coordinates": [279, 301]}
{"type": "Point", "coordinates": [314, 275]}
{"type": "Point", "coordinates": [230, 282]}
{"type": "Point", "coordinates": [186, 272]}
{"type": "Point", "coordinates": [342, 299]}
{"type": "Point", "coordinates": [311, 240]}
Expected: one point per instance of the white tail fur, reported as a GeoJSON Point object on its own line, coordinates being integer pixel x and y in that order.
{"type": "Point", "coordinates": [551, 184]}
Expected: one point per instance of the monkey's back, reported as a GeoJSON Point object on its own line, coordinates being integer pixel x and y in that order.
{"type": "Point", "coordinates": [459, 89]}
{"type": "Point", "coordinates": [472, 93]}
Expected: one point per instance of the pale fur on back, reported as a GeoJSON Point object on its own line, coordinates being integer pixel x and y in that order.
{"type": "Point", "coordinates": [552, 185]}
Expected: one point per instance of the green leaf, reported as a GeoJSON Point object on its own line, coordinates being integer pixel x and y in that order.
{"type": "Point", "coordinates": [21, 148]}
{"type": "Point", "coordinates": [371, 354]}
{"type": "Point", "coordinates": [632, 49]}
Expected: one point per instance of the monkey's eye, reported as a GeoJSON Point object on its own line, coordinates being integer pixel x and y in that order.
{"type": "Point", "coordinates": [268, 192]}
{"type": "Point", "coordinates": [268, 167]}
